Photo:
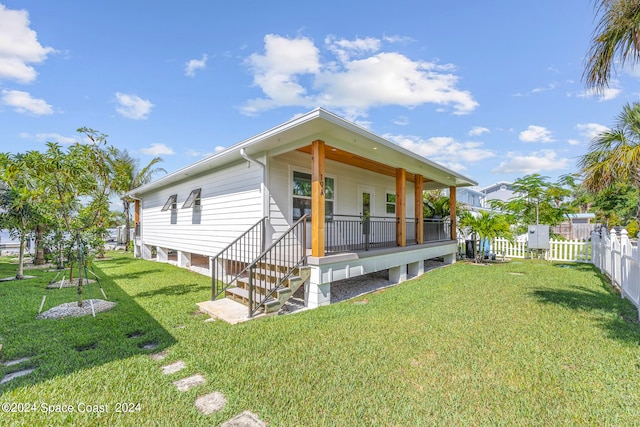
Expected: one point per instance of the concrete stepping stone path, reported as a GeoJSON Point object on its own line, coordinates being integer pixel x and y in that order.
{"type": "Point", "coordinates": [189, 382]}
{"type": "Point", "coordinates": [173, 367]}
{"type": "Point", "coordinates": [18, 374]}
{"type": "Point", "coordinates": [245, 419]}
{"type": "Point", "coordinates": [158, 356]}
{"type": "Point", "coordinates": [210, 403]}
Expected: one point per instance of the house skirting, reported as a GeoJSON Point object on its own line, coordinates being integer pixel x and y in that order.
{"type": "Point", "coordinates": [403, 263]}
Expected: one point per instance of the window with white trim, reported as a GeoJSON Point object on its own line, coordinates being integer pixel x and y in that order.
{"type": "Point", "coordinates": [391, 203]}
{"type": "Point", "coordinates": [171, 203]}
{"type": "Point", "coordinates": [193, 200]}
{"type": "Point", "coordinates": [302, 195]}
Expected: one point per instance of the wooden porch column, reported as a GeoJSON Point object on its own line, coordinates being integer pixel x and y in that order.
{"type": "Point", "coordinates": [452, 212]}
{"type": "Point", "coordinates": [136, 215]}
{"type": "Point", "coordinates": [317, 198]}
{"type": "Point", "coordinates": [401, 207]}
{"type": "Point", "coordinates": [419, 211]}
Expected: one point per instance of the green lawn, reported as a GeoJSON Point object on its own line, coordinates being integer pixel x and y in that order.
{"type": "Point", "coordinates": [522, 343]}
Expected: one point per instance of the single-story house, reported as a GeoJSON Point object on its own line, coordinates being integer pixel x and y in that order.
{"type": "Point", "coordinates": [314, 200]}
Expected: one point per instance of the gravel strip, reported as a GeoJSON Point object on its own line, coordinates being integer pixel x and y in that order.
{"type": "Point", "coordinates": [71, 309]}
{"type": "Point", "coordinates": [347, 289]}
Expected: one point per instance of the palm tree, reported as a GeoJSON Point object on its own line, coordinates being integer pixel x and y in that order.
{"type": "Point", "coordinates": [614, 155]}
{"type": "Point", "coordinates": [617, 36]}
{"type": "Point", "coordinates": [127, 175]}
{"type": "Point", "coordinates": [486, 226]}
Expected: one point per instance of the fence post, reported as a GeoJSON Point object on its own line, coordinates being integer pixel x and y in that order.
{"type": "Point", "coordinates": [624, 277]}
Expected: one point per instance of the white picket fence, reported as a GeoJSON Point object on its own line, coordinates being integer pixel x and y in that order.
{"type": "Point", "coordinates": [616, 257]}
{"type": "Point", "coordinates": [559, 250]}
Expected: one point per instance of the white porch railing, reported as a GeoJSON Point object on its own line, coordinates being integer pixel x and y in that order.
{"type": "Point", "coordinates": [616, 257]}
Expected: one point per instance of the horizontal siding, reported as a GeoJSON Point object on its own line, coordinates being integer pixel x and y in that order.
{"type": "Point", "coordinates": [347, 198]}
{"type": "Point", "coordinates": [231, 203]}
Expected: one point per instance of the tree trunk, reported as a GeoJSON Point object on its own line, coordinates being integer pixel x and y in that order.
{"type": "Point", "coordinates": [80, 279]}
{"type": "Point", "coordinates": [39, 244]}
{"type": "Point", "coordinates": [20, 273]}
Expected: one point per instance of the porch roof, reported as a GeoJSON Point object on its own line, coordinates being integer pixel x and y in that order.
{"type": "Point", "coordinates": [338, 133]}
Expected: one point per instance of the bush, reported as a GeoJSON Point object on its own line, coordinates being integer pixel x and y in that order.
{"type": "Point", "coordinates": [632, 228]}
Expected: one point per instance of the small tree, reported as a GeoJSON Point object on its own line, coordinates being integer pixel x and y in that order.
{"type": "Point", "coordinates": [486, 226]}
{"type": "Point", "coordinates": [535, 201]}
{"type": "Point", "coordinates": [72, 186]}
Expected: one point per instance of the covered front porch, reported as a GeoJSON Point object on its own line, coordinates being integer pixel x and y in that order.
{"type": "Point", "coordinates": [347, 237]}
{"type": "Point", "coordinates": [355, 203]}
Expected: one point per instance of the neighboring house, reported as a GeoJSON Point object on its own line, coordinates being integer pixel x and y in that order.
{"type": "Point", "coordinates": [333, 200]}
{"type": "Point", "coordinates": [469, 197]}
{"type": "Point", "coordinates": [499, 191]}
{"type": "Point", "coordinates": [577, 227]}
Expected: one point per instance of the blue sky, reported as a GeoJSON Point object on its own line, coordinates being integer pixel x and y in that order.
{"type": "Point", "coordinates": [491, 89]}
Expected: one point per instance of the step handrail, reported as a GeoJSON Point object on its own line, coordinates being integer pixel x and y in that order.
{"type": "Point", "coordinates": [247, 246]}
{"type": "Point", "coordinates": [274, 254]}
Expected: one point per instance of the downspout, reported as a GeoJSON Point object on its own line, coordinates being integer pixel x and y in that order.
{"type": "Point", "coordinates": [263, 186]}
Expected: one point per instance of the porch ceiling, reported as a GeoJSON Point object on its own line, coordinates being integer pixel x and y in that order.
{"type": "Point", "coordinates": [342, 156]}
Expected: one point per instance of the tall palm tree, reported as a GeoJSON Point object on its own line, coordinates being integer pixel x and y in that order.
{"type": "Point", "coordinates": [617, 36]}
{"type": "Point", "coordinates": [614, 155]}
{"type": "Point", "coordinates": [128, 175]}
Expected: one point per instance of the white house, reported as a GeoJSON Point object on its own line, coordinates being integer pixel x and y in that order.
{"type": "Point", "coordinates": [314, 200]}
{"type": "Point", "coordinates": [502, 190]}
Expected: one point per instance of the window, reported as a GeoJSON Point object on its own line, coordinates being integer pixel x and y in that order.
{"type": "Point", "coordinates": [192, 200]}
{"type": "Point", "coordinates": [302, 195]}
{"type": "Point", "coordinates": [391, 203]}
{"type": "Point", "coordinates": [171, 203]}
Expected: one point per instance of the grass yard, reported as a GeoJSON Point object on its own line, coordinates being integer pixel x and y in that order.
{"type": "Point", "coordinates": [522, 343]}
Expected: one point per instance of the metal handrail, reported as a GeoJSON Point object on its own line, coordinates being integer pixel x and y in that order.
{"type": "Point", "coordinates": [275, 255]}
{"type": "Point", "coordinates": [236, 252]}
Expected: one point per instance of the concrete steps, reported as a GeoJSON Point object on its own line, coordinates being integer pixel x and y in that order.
{"type": "Point", "coordinates": [265, 280]}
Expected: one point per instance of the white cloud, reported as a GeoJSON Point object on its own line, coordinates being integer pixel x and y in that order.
{"type": "Point", "coordinates": [605, 94]}
{"type": "Point", "coordinates": [573, 142]}
{"type": "Point", "coordinates": [291, 73]}
{"type": "Point", "coordinates": [591, 130]}
{"type": "Point", "coordinates": [525, 164]}
{"type": "Point", "coordinates": [19, 46]}
{"type": "Point", "coordinates": [195, 64]}
{"type": "Point", "coordinates": [196, 153]}
{"type": "Point", "coordinates": [546, 88]}
{"type": "Point", "coordinates": [157, 150]}
{"type": "Point", "coordinates": [22, 102]}
{"type": "Point", "coordinates": [444, 150]}
{"type": "Point", "coordinates": [536, 134]}
{"type": "Point", "coordinates": [478, 130]}
{"type": "Point", "coordinates": [55, 137]}
{"type": "Point", "coordinates": [346, 49]}
{"type": "Point", "coordinates": [401, 121]}
{"type": "Point", "coordinates": [133, 107]}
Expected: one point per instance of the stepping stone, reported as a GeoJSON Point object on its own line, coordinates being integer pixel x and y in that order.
{"type": "Point", "coordinates": [13, 375]}
{"type": "Point", "coordinates": [189, 382]}
{"type": "Point", "coordinates": [245, 419]}
{"type": "Point", "coordinates": [159, 356]}
{"type": "Point", "coordinates": [210, 319]}
{"type": "Point", "coordinates": [174, 367]}
{"type": "Point", "coordinates": [149, 346]}
{"type": "Point", "coordinates": [15, 362]}
{"type": "Point", "coordinates": [210, 403]}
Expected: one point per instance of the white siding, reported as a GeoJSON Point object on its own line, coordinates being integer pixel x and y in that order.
{"type": "Point", "coordinates": [231, 202]}
{"type": "Point", "coordinates": [347, 181]}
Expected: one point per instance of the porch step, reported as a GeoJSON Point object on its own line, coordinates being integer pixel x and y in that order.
{"type": "Point", "coordinates": [242, 295]}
